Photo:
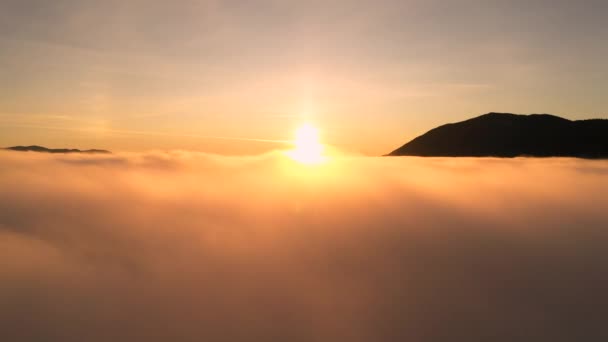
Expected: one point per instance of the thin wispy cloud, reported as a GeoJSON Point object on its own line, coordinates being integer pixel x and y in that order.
{"type": "Point", "coordinates": [101, 130]}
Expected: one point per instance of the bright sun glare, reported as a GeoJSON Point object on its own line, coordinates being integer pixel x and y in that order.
{"type": "Point", "coordinates": [308, 148]}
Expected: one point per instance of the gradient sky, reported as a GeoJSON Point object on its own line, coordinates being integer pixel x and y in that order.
{"type": "Point", "coordinates": [138, 75]}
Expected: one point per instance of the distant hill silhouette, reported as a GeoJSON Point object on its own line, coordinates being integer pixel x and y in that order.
{"type": "Point", "coordinates": [512, 135]}
{"type": "Point", "coordinates": [35, 148]}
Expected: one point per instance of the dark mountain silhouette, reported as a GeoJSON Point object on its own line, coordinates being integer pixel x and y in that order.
{"type": "Point", "coordinates": [512, 135]}
{"type": "Point", "coordinates": [35, 148]}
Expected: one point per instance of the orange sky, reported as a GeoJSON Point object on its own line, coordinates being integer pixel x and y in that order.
{"type": "Point", "coordinates": [211, 75]}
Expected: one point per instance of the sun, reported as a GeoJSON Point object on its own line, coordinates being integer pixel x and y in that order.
{"type": "Point", "coordinates": [308, 148]}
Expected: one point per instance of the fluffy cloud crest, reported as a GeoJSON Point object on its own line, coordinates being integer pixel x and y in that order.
{"type": "Point", "coordinates": [183, 246]}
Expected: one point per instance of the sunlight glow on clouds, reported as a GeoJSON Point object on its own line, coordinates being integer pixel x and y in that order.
{"type": "Point", "coordinates": [190, 247]}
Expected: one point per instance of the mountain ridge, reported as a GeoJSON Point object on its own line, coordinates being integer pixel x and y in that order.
{"type": "Point", "coordinates": [37, 148]}
{"type": "Point", "coordinates": [511, 135]}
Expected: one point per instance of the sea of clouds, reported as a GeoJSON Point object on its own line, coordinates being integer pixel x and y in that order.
{"type": "Point", "coordinates": [184, 246]}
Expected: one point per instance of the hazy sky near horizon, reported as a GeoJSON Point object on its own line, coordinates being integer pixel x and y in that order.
{"type": "Point", "coordinates": [137, 75]}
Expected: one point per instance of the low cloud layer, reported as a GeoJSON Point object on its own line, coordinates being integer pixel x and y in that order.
{"type": "Point", "coordinates": [191, 247]}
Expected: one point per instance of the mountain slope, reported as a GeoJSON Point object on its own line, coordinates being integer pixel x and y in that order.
{"type": "Point", "coordinates": [511, 135]}
{"type": "Point", "coordinates": [35, 148]}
